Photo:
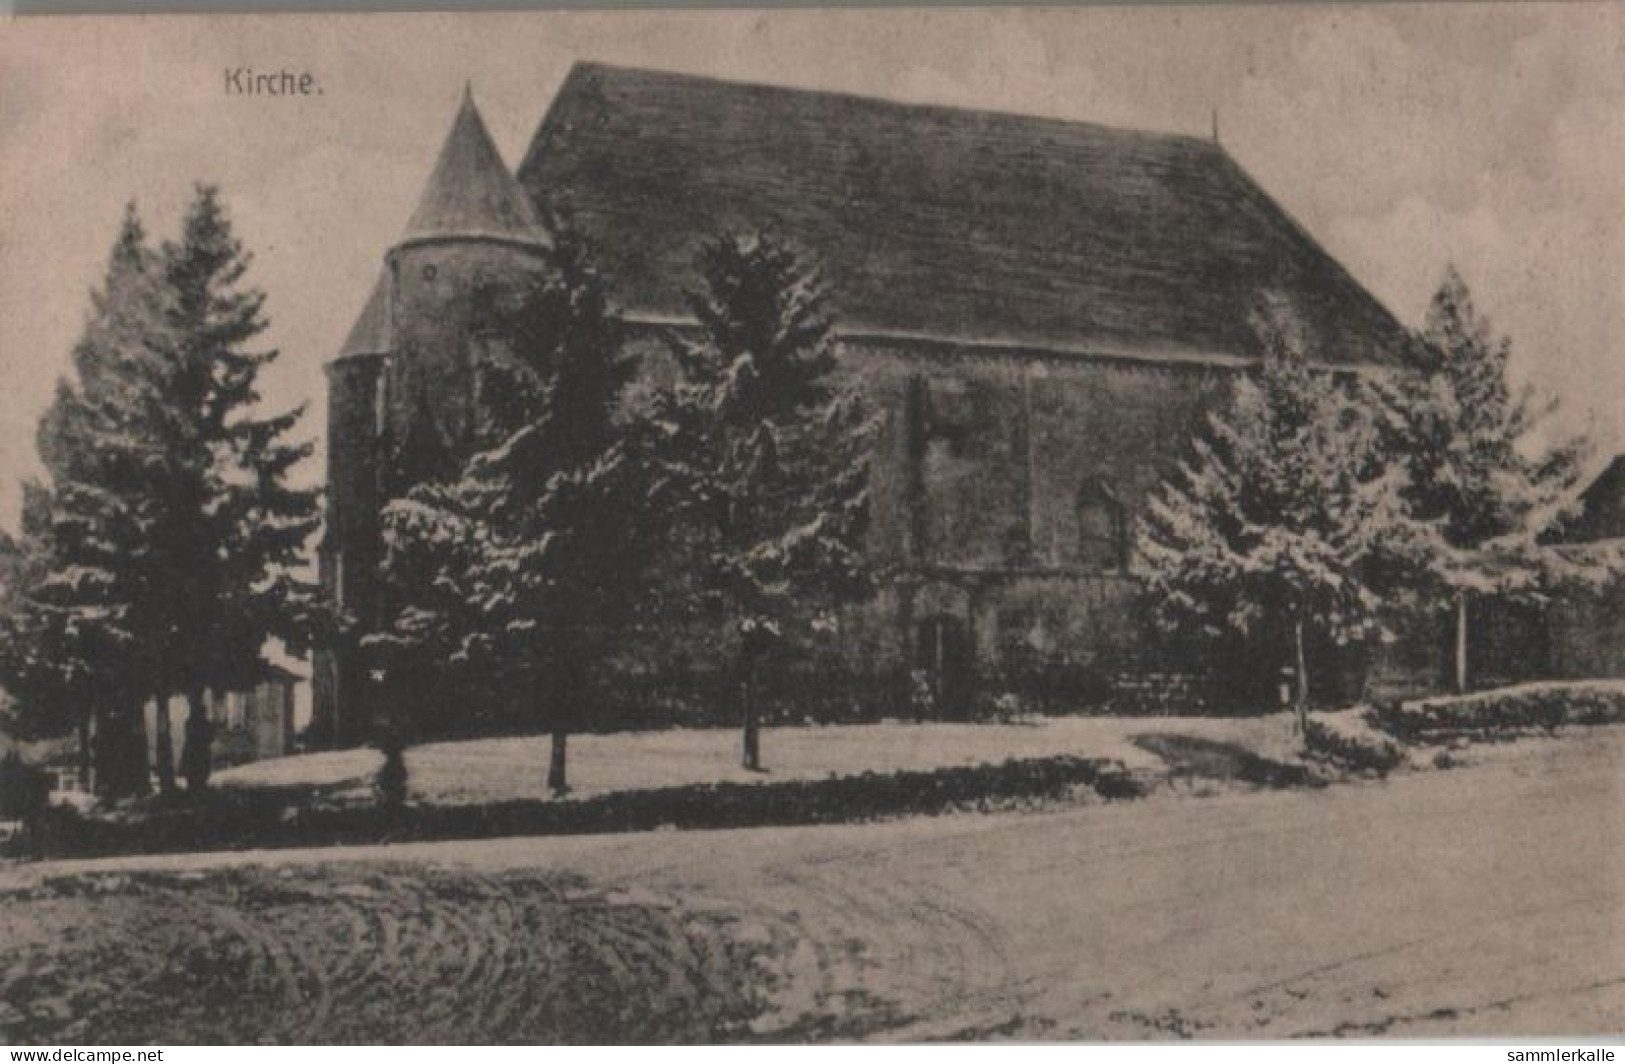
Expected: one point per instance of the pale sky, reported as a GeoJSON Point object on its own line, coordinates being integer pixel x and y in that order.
{"type": "Point", "coordinates": [1401, 137]}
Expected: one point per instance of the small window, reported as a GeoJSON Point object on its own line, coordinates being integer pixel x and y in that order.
{"type": "Point", "coordinates": [1018, 637]}
{"type": "Point", "coordinates": [957, 424]}
{"type": "Point", "coordinates": [1102, 528]}
{"type": "Point", "coordinates": [430, 272]}
{"type": "Point", "coordinates": [485, 309]}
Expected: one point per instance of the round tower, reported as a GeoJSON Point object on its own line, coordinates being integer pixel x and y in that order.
{"type": "Point", "coordinates": [351, 544]}
{"type": "Point", "coordinates": [402, 391]}
{"type": "Point", "coordinates": [474, 232]}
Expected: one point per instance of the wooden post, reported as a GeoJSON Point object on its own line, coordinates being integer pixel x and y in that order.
{"type": "Point", "coordinates": [1461, 642]}
{"type": "Point", "coordinates": [939, 676]}
{"type": "Point", "coordinates": [84, 754]}
{"type": "Point", "coordinates": [1303, 680]}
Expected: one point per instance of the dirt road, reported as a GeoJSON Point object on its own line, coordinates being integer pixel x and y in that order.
{"type": "Point", "coordinates": [1487, 900]}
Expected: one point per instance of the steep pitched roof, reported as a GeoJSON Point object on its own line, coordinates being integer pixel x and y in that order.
{"type": "Point", "coordinates": [370, 333]}
{"type": "Point", "coordinates": [942, 222]}
{"type": "Point", "coordinates": [1603, 516]}
{"type": "Point", "coordinates": [471, 191]}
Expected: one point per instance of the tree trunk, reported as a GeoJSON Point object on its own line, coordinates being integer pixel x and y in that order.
{"type": "Point", "coordinates": [557, 780]}
{"type": "Point", "coordinates": [197, 752]}
{"type": "Point", "coordinates": [1461, 642]}
{"type": "Point", "coordinates": [561, 688]}
{"type": "Point", "coordinates": [120, 752]}
{"type": "Point", "coordinates": [391, 782]}
{"type": "Point", "coordinates": [388, 721]}
{"type": "Point", "coordinates": [136, 752]}
{"type": "Point", "coordinates": [101, 755]}
{"type": "Point", "coordinates": [137, 756]}
{"type": "Point", "coordinates": [164, 745]}
{"type": "Point", "coordinates": [1303, 680]}
{"type": "Point", "coordinates": [751, 740]}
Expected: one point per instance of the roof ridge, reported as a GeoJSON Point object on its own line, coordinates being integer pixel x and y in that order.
{"type": "Point", "coordinates": [583, 67]}
{"type": "Point", "coordinates": [941, 220]}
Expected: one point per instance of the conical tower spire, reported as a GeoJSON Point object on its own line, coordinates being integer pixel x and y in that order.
{"type": "Point", "coordinates": [370, 333]}
{"type": "Point", "coordinates": [471, 192]}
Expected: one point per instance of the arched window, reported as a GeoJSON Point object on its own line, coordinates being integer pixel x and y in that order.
{"type": "Point", "coordinates": [1102, 527]}
{"type": "Point", "coordinates": [380, 401]}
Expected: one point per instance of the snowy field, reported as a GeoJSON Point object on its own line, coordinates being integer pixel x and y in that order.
{"type": "Point", "coordinates": [485, 770]}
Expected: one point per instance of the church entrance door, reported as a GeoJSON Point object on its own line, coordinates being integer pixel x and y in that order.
{"type": "Point", "coordinates": [942, 650]}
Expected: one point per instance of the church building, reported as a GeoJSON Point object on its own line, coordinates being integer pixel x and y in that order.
{"type": "Point", "coordinates": [1042, 310]}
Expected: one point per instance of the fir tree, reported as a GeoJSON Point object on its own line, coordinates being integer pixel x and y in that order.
{"type": "Point", "coordinates": [234, 529]}
{"type": "Point", "coordinates": [532, 563]}
{"type": "Point", "coordinates": [1267, 529]}
{"type": "Point", "coordinates": [167, 536]}
{"type": "Point", "coordinates": [1475, 471]}
{"type": "Point", "coordinates": [772, 458]}
{"type": "Point", "coordinates": [49, 674]}
{"type": "Point", "coordinates": [435, 650]}
{"type": "Point", "coordinates": [81, 571]}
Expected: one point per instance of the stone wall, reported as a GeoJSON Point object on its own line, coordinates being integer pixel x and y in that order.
{"type": "Point", "coordinates": [1587, 635]}
{"type": "Point", "coordinates": [1005, 490]}
{"type": "Point", "coordinates": [350, 550]}
{"type": "Point", "coordinates": [990, 477]}
{"type": "Point", "coordinates": [989, 462]}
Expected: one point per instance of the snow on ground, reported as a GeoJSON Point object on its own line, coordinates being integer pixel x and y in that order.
{"type": "Point", "coordinates": [1477, 902]}
{"type": "Point", "coordinates": [484, 770]}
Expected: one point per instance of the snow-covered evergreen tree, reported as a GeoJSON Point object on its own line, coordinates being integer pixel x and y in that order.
{"type": "Point", "coordinates": [1481, 470]}
{"type": "Point", "coordinates": [165, 543]}
{"type": "Point", "coordinates": [49, 663]}
{"type": "Point", "coordinates": [230, 545]}
{"type": "Point", "coordinates": [533, 563]}
{"type": "Point", "coordinates": [1266, 530]}
{"type": "Point", "coordinates": [771, 454]}
{"type": "Point", "coordinates": [73, 639]}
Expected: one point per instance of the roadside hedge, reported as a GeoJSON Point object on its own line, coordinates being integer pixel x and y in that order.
{"type": "Point", "coordinates": [1357, 753]}
{"type": "Point", "coordinates": [245, 819]}
{"type": "Point", "coordinates": [1533, 706]}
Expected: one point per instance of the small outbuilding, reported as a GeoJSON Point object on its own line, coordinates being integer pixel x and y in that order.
{"type": "Point", "coordinates": [1585, 633]}
{"type": "Point", "coordinates": [252, 724]}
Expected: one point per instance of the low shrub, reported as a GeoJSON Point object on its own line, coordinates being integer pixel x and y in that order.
{"type": "Point", "coordinates": [1352, 752]}
{"type": "Point", "coordinates": [54, 829]}
{"type": "Point", "coordinates": [1534, 706]}
{"type": "Point", "coordinates": [1196, 757]}
{"type": "Point", "coordinates": [25, 790]}
{"type": "Point", "coordinates": [1002, 708]}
